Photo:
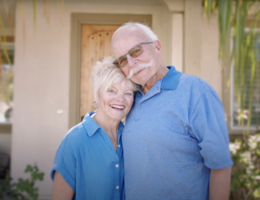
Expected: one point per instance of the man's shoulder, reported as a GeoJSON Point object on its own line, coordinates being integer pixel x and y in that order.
{"type": "Point", "coordinates": [187, 78]}
{"type": "Point", "coordinates": [191, 82]}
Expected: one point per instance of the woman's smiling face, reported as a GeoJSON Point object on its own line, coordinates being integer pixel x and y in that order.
{"type": "Point", "coordinates": [116, 102]}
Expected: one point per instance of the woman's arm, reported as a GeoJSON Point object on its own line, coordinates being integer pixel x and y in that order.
{"type": "Point", "coordinates": [61, 189]}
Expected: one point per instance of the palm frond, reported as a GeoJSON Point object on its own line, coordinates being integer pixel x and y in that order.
{"type": "Point", "coordinates": [22, 14]}
{"type": "Point", "coordinates": [34, 11]}
{"type": "Point", "coordinates": [10, 21]}
{"type": "Point", "coordinates": [3, 41]}
{"type": "Point", "coordinates": [209, 7]}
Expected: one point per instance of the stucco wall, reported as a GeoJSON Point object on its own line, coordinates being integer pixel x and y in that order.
{"type": "Point", "coordinates": [199, 39]}
{"type": "Point", "coordinates": [201, 45]}
{"type": "Point", "coordinates": [210, 64]}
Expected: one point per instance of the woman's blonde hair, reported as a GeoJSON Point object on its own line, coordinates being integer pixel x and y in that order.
{"type": "Point", "coordinates": [105, 74]}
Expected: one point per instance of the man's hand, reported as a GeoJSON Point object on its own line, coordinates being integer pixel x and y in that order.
{"type": "Point", "coordinates": [219, 184]}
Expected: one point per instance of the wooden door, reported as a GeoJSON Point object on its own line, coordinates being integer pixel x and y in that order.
{"type": "Point", "coordinates": [95, 45]}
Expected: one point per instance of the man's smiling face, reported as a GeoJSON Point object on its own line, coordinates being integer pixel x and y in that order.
{"type": "Point", "coordinates": [143, 67]}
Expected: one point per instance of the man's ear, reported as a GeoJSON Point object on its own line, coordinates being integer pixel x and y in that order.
{"type": "Point", "coordinates": [158, 46]}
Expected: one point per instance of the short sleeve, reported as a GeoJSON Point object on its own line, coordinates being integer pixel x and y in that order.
{"type": "Point", "coordinates": [65, 162]}
{"type": "Point", "coordinates": [209, 127]}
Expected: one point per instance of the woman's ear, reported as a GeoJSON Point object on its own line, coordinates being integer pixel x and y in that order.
{"type": "Point", "coordinates": [97, 101]}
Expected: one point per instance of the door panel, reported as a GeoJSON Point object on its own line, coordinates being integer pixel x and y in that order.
{"type": "Point", "coordinates": [95, 45]}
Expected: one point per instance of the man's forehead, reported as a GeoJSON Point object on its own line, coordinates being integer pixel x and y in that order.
{"type": "Point", "coordinates": [128, 38]}
{"type": "Point", "coordinates": [132, 33]}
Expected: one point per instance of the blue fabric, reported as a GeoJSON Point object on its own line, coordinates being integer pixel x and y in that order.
{"type": "Point", "coordinates": [173, 136]}
{"type": "Point", "coordinates": [88, 162]}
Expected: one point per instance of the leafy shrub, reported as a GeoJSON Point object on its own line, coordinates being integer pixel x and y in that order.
{"type": "Point", "coordinates": [245, 180]}
{"type": "Point", "coordinates": [23, 189]}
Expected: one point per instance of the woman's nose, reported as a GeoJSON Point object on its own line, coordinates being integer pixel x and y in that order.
{"type": "Point", "coordinates": [120, 97]}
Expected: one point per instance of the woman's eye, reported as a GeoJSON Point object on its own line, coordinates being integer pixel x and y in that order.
{"type": "Point", "coordinates": [129, 94]}
{"type": "Point", "coordinates": [111, 91]}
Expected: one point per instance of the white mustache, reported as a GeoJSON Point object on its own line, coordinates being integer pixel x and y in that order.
{"type": "Point", "coordinates": [136, 68]}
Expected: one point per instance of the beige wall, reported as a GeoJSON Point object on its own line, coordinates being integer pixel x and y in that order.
{"type": "Point", "coordinates": [210, 65]}
{"type": "Point", "coordinates": [200, 42]}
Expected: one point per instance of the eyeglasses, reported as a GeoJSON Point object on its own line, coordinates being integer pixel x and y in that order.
{"type": "Point", "coordinates": [136, 51]}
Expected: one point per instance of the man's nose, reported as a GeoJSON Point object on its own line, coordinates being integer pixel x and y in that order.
{"type": "Point", "coordinates": [131, 61]}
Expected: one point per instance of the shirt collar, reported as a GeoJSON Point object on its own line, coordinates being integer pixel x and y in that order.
{"type": "Point", "coordinates": [91, 126]}
{"type": "Point", "coordinates": [171, 79]}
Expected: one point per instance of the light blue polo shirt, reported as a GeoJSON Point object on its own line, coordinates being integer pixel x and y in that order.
{"type": "Point", "coordinates": [89, 163]}
{"type": "Point", "coordinates": [173, 136]}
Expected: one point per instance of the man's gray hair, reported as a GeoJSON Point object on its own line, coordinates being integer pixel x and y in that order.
{"type": "Point", "coordinates": [105, 74]}
{"type": "Point", "coordinates": [133, 25]}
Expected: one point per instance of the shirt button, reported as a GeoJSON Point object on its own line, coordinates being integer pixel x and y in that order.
{"type": "Point", "coordinates": [117, 165]}
{"type": "Point", "coordinates": [139, 106]}
{"type": "Point", "coordinates": [119, 145]}
{"type": "Point", "coordinates": [117, 187]}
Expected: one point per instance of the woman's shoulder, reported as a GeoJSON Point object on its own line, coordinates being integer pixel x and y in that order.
{"type": "Point", "coordinates": [86, 127]}
{"type": "Point", "coordinates": [75, 133]}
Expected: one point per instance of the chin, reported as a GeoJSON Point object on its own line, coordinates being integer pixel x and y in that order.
{"type": "Point", "coordinates": [139, 82]}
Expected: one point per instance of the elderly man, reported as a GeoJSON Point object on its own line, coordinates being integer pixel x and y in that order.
{"type": "Point", "coordinates": [175, 140]}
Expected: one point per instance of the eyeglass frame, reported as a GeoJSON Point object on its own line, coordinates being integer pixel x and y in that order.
{"type": "Point", "coordinates": [130, 54]}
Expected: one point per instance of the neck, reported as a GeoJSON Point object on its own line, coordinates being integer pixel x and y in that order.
{"type": "Point", "coordinates": [162, 71]}
{"type": "Point", "coordinates": [110, 126]}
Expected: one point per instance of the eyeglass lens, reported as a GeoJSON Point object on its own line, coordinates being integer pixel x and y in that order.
{"type": "Point", "coordinates": [134, 52]}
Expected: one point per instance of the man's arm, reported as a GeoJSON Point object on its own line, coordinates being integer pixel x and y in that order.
{"type": "Point", "coordinates": [219, 185]}
{"type": "Point", "coordinates": [61, 189]}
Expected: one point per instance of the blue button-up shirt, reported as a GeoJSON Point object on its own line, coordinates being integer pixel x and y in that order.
{"type": "Point", "coordinates": [174, 135]}
{"type": "Point", "coordinates": [88, 162]}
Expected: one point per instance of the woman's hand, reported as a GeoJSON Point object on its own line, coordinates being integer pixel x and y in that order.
{"type": "Point", "coordinates": [61, 189]}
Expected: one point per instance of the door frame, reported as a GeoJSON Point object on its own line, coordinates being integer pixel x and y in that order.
{"type": "Point", "coordinates": [77, 20]}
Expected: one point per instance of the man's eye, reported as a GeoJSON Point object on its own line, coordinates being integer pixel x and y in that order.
{"type": "Point", "coordinates": [136, 52]}
{"type": "Point", "coordinates": [122, 60]}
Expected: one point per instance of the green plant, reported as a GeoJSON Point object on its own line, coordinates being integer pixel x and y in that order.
{"type": "Point", "coordinates": [24, 189]}
{"type": "Point", "coordinates": [6, 87]}
{"type": "Point", "coordinates": [246, 171]}
{"type": "Point", "coordinates": [7, 188]}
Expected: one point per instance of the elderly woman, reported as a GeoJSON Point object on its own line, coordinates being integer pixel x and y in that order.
{"type": "Point", "coordinates": [89, 161]}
